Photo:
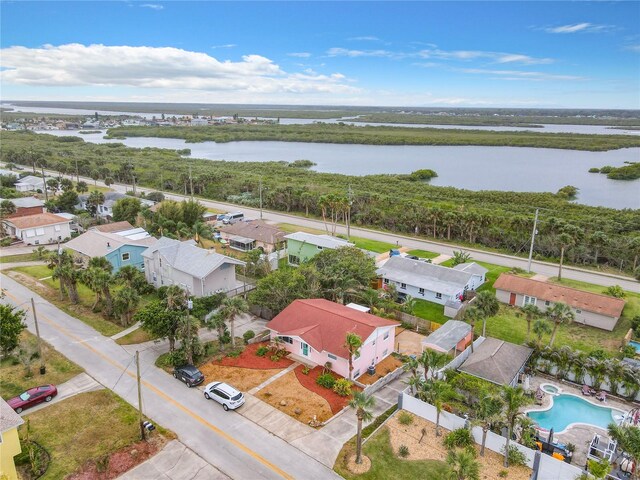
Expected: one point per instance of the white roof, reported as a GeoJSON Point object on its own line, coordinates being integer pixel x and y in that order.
{"type": "Point", "coordinates": [94, 243]}
{"type": "Point", "coordinates": [134, 233]}
{"type": "Point", "coordinates": [360, 308]}
{"type": "Point", "coordinates": [68, 216]}
{"type": "Point", "coordinates": [471, 267]}
{"type": "Point", "coordinates": [25, 202]}
{"type": "Point", "coordinates": [30, 180]}
{"type": "Point", "coordinates": [429, 276]}
{"type": "Point", "coordinates": [324, 241]}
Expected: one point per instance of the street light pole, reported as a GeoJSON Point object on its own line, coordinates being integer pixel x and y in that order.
{"type": "Point", "coordinates": [142, 433]}
{"type": "Point", "coordinates": [43, 368]}
{"type": "Point", "coordinates": [533, 237]}
{"type": "Point", "coordinates": [260, 188]}
{"type": "Point", "coordinates": [189, 344]}
{"type": "Point", "coordinates": [349, 203]}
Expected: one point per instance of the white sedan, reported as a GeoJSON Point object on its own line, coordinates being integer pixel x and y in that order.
{"type": "Point", "coordinates": [229, 397]}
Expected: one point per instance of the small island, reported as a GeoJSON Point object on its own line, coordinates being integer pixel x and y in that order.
{"type": "Point", "coordinates": [631, 171]}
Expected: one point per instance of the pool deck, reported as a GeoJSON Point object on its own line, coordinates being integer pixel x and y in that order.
{"type": "Point", "coordinates": [579, 435]}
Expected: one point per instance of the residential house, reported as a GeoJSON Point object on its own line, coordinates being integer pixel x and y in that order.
{"type": "Point", "coordinates": [253, 234]}
{"type": "Point", "coordinates": [105, 210]}
{"type": "Point", "coordinates": [302, 247]}
{"type": "Point", "coordinates": [30, 183]}
{"type": "Point", "coordinates": [39, 229]}
{"type": "Point", "coordinates": [118, 248]}
{"type": "Point", "coordinates": [315, 330]}
{"type": "Point", "coordinates": [25, 206]}
{"type": "Point", "coordinates": [9, 440]}
{"type": "Point", "coordinates": [497, 361]}
{"type": "Point", "coordinates": [452, 338]}
{"type": "Point", "coordinates": [113, 227]}
{"type": "Point", "coordinates": [428, 281]}
{"type": "Point", "coordinates": [201, 272]}
{"type": "Point", "coordinates": [593, 309]}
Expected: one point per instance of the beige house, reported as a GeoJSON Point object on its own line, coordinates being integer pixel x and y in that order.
{"type": "Point", "coordinates": [39, 229]}
{"type": "Point", "coordinates": [9, 440]}
{"type": "Point", "coordinates": [200, 272]}
{"type": "Point", "coordinates": [593, 309]}
{"type": "Point", "coordinates": [252, 234]}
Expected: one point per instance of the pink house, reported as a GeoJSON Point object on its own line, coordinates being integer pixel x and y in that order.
{"type": "Point", "coordinates": [315, 330]}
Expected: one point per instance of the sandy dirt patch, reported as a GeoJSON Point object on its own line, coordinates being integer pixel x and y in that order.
{"type": "Point", "coordinates": [358, 468]}
{"type": "Point", "coordinates": [431, 448]}
{"type": "Point", "coordinates": [385, 367]}
{"type": "Point", "coordinates": [408, 342]}
{"type": "Point", "coordinates": [300, 403]}
{"type": "Point", "coordinates": [308, 381]}
{"type": "Point", "coordinates": [243, 379]}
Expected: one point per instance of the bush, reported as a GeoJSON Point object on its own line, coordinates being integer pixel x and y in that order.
{"type": "Point", "coordinates": [274, 358]}
{"type": "Point", "coordinates": [342, 387]}
{"type": "Point", "coordinates": [405, 418]}
{"type": "Point", "coordinates": [5, 242]}
{"type": "Point", "coordinates": [326, 380]}
{"type": "Point", "coordinates": [234, 353]}
{"type": "Point", "coordinates": [458, 438]}
{"type": "Point", "coordinates": [615, 291]}
{"type": "Point", "coordinates": [305, 370]}
{"type": "Point", "coordinates": [503, 473]}
{"type": "Point", "coordinates": [176, 358]}
{"type": "Point", "coordinates": [248, 335]}
{"type": "Point", "coordinates": [403, 451]}
{"type": "Point", "coordinates": [515, 457]}
{"type": "Point", "coordinates": [262, 351]}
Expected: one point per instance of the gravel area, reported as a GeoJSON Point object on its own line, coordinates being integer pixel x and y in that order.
{"type": "Point", "coordinates": [244, 379]}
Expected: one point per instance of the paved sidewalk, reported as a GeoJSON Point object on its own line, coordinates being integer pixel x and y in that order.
{"type": "Point", "coordinates": [269, 380]}
{"type": "Point", "coordinates": [127, 331]}
{"type": "Point", "coordinates": [440, 258]}
{"type": "Point", "coordinates": [174, 462]}
{"type": "Point", "coordinates": [81, 383]}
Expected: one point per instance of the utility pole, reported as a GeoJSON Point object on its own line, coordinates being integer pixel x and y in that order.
{"type": "Point", "coordinates": [533, 237]}
{"type": "Point", "coordinates": [77, 174]}
{"type": "Point", "coordinates": [189, 344]}
{"type": "Point", "coordinates": [142, 434]}
{"type": "Point", "coordinates": [43, 368]}
{"type": "Point", "coordinates": [44, 184]}
{"type": "Point", "coordinates": [260, 188]}
{"type": "Point", "coordinates": [190, 182]}
{"type": "Point", "coordinates": [349, 203]}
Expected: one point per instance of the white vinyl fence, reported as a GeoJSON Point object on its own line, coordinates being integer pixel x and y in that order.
{"type": "Point", "coordinates": [550, 468]}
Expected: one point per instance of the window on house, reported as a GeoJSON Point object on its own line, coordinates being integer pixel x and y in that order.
{"type": "Point", "coordinates": [356, 374]}
{"type": "Point", "coordinates": [287, 340]}
{"type": "Point", "coordinates": [294, 260]}
{"type": "Point", "coordinates": [126, 256]}
{"type": "Point", "coordinates": [373, 343]}
{"type": "Point", "coordinates": [403, 285]}
{"type": "Point", "coordinates": [386, 335]}
{"type": "Point", "coordinates": [438, 295]}
{"type": "Point", "coordinates": [421, 291]}
{"type": "Point", "coordinates": [319, 247]}
{"type": "Point", "coordinates": [547, 303]}
{"type": "Point", "coordinates": [160, 261]}
{"type": "Point", "coordinates": [529, 300]}
{"type": "Point", "coordinates": [331, 356]}
{"type": "Point", "coordinates": [57, 228]}
{"type": "Point", "coordinates": [386, 281]}
{"type": "Point", "coordinates": [386, 350]}
{"type": "Point", "coordinates": [578, 310]}
{"type": "Point", "coordinates": [356, 355]}
{"type": "Point", "coordinates": [39, 231]}
{"type": "Point", "coordinates": [154, 276]}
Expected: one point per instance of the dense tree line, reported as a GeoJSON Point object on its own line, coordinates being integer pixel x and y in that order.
{"type": "Point", "coordinates": [398, 203]}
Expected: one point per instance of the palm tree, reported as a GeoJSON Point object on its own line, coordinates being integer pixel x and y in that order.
{"type": "Point", "coordinates": [514, 400]}
{"type": "Point", "coordinates": [363, 405]}
{"type": "Point", "coordinates": [94, 199]}
{"type": "Point", "coordinates": [541, 327]}
{"type": "Point", "coordinates": [560, 313]}
{"type": "Point", "coordinates": [578, 368]}
{"type": "Point", "coordinates": [597, 370]}
{"type": "Point", "coordinates": [100, 262]}
{"type": "Point", "coordinates": [430, 359]}
{"type": "Point", "coordinates": [437, 393]}
{"type": "Point", "coordinates": [628, 438]}
{"type": "Point", "coordinates": [566, 241]}
{"type": "Point", "coordinates": [415, 382]}
{"type": "Point", "coordinates": [472, 315]}
{"type": "Point", "coordinates": [92, 279]}
{"type": "Point", "coordinates": [531, 312]}
{"type": "Point", "coordinates": [463, 465]}
{"type": "Point", "coordinates": [125, 302]}
{"type": "Point", "coordinates": [352, 343]}
{"type": "Point", "coordinates": [229, 310]}
{"type": "Point", "coordinates": [411, 365]}
{"type": "Point", "coordinates": [563, 358]}
{"type": "Point", "coordinates": [488, 410]}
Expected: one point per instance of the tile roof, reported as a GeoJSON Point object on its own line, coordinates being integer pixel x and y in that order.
{"type": "Point", "coordinates": [255, 230]}
{"type": "Point", "coordinates": [325, 241]}
{"type": "Point", "coordinates": [8, 418]}
{"type": "Point", "coordinates": [113, 227]}
{"type": "Point", "coordinates": [496, 361]}
{"type": "Point", "coordinates": [591, 302]}
{"type": "Point", "coordinates": [324, 324]}
{"type": "Point", "coordinates": [37, 220]}
{"type": "Point", "coordinates": [429, 276]}
{"type": "Point", "coordinates": [94, 243]}
{"type": "Point", "coordinates": [447, 336]}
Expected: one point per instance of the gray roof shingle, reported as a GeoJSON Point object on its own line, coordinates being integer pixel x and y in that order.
{"type": "Point", "coordinates": [324, 241]}
{"type": "Point", "coordinates": [496, 361]}
{"type": "Point", "coordinates": [8, 418]}
{"type": "Point", "coordinates": [447, 336]}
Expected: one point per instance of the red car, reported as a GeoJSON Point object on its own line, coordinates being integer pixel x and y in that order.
{"type": "Point", "coordinates": [32, 397]}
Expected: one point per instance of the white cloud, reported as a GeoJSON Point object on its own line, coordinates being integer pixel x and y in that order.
{"type": "Point", "coordinates": [584, 27]}
{"type": "Point", "coordinates": [633, 48]}
{"type": "Point", "coordinates": [521, 75]}
{"type": "Point", "coordinates": [366, 38]}
{"type": "Point", "coordinates": [156, 67]}
{"type": "Point", "coordinates": [226, 45]}
{"type": "Point", "coordinates": [345, 52]}
{"type": "Point", "coordinates": [299, 54]}
{"type": "Point", "coordinates": [153, 6]}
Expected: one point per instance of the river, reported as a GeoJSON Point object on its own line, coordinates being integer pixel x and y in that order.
{"type": "Point", "coordinates": [470, 167]}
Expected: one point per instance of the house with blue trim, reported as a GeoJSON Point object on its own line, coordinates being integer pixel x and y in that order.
{"type": "Point", "coordinates": [118, 249]}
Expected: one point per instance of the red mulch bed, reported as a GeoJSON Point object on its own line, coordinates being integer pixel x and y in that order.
{"type": "Point", "coordinates": [249, 359]}
{"type": "Point", "coordinates": [120, 461]}
{"type": "Point", "coordinates": [336, 402]}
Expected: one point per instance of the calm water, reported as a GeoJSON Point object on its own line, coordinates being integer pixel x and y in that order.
{"type": "Point", "coordinates": [473, 168]}
{"type": "Point", "coordinates": [636, 345]}
{"type": "Point", "coordinates": [568, 409]}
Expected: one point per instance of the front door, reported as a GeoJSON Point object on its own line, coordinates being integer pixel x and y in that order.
{"type": "Point", "coordinates": [305, 349]}
{"type": "Point", "coordinates": [512, 299]}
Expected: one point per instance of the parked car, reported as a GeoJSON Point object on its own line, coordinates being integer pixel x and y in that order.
{"type": "Point", "coordinates": [231, 218]}
{"type": "Point", "coordinates": [226, 395]}
{"type": "Point", "coordinates": [189, 375]}
{"type": "Point", "coordinates": [32, 397]}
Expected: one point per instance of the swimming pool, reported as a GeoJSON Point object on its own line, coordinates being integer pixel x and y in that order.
{"type": "Point", "coordinates": [567, 409]}
{"type": "Point", "coordinates": [635, 345]}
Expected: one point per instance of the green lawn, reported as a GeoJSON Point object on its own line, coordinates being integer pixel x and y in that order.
{"type": "Point", "coordinates": [139, 335]}
{"type": "Point", "coordinates": [386, 465]}
{"type": "Point", "coordinates": [82, 311]}
{"type": "Point", "coordinates": [423, 253]}
{"type": "Point", "coordinates": [83, 428]}
{"type": "Point", "coordinates": [429, 311]}
{"type": "Point", "coordinates": [14, 378]}
{"type": "Point", "coordinates": [290, 228]}
{"type": "Point", "coordinates": [371, 245]}
{"type": "Point", "coordinates": [25, 257]}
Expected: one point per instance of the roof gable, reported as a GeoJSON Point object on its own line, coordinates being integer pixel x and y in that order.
{"type": "Point", "coordinates": [324, 241]}
{"type": "Point", "coordinates": [496, 361]}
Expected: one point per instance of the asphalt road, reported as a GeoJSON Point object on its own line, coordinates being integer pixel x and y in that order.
{"type": "Point", "coordinates": [544, 268]}
{"type": "Point", "coordinates": [236, 446]}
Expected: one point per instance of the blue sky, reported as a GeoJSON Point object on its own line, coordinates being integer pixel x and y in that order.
{"type": "Point", "coordinates": [484, 54]}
